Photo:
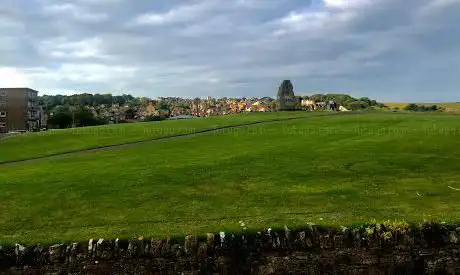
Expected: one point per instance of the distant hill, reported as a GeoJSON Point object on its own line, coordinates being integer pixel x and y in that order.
{"type": "Point", "coordinates": [449, 106]}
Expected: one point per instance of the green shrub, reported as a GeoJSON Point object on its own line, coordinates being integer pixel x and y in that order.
{"type": "Point", "coordinates": [412, 107]}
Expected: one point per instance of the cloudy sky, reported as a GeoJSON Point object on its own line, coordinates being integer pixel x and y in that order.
{"type": "Point", "coordinates": [390, 50]}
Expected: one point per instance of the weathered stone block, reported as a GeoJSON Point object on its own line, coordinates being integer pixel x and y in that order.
{"type": "Point", "coordinates": [325, 241]}
{"type": "Point", "coordinates": [156, 248]}
{"type": "Point", "coordinates": [191, 244]}
{"type": "Point", "coordinates": [300, 239]}
{"type": "Point", "coordinates": [56, 253]}
{"type": "Point", "coordinates": [339, 241]}
{"type": "Point", "coordinates": [136, 248]}
{"type": "Point", "coordinates": [105, 249]}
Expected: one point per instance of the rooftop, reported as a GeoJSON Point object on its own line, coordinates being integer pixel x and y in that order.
{"type": "Point", "coordinates": [18, 89]}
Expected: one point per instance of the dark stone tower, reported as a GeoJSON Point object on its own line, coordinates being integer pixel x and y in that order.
{"type": "Point", "coordinates": [286, 97]}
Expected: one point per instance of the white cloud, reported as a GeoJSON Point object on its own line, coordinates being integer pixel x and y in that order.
{"type": "Point", "coordinates": [11, 77]}
{"type": "Point", "coordinates": [312, 22]}
{"type": "Point", "coordinates": [178, 14]}
{"type": "Point", "coordinates": [335, 15]}
{"type": "Point", "coordinates": [77, 13]}
{"type": "Point", "coordinates": [86, 73]}
{"type": "Point", "coordinates": [436, 6]}
{"type": "Point", "coordinates": [346, 4]}
{"type": "Point", "coordinates": [75, 77]}
{"type": "Point", "coordinates": [442, 3]}
{"type": "Point", "coordinates": [99, 2]}
{"type": "Point", "coordinates": [259, 4]}
{"type": "Point", "coordinates": [58, 8]}
{"type": "Point", "coordinates": [61, 48]}
{"type": "Point", "coordinates": [306, 21]}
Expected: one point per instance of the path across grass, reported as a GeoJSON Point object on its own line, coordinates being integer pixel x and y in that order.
{"type": "Point", "coordinates": [333, 170]}
{"type": "Point", "coordinates": [55, 142]}
{"type": "Point", "coordinates": [220, 129]}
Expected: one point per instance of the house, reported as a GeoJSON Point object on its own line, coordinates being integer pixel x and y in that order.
{"type": "Point", "coordinates": [320, 105]}
{"type": "Point", "coordinates": [343, 109]}
{"type": "Point", "coordinates": [177, 111]}
{"type": "Point", "coordinates": [146, 110]}
{"type": "Point", "coordinates": [19, 110]}
{"type": "Point", "coordinates": [308, 104]}
{"type": "Point", "coordinates": [249, 107]}
{"type": "Point", "coordinates": [258, 106]}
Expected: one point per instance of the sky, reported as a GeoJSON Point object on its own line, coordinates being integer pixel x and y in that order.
{"type": "Point", "coordinates": [389, 50]}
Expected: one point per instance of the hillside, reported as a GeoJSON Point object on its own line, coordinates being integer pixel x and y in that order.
{"type": "Point", "coordinates": [449, 107]}
{"type": "Point", "coordinates": [335, 170]}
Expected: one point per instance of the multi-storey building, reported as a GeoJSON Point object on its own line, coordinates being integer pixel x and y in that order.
{"type": "Point", "coordinates": [19, 110]}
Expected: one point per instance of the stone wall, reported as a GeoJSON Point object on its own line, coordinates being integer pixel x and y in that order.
{"type": "Point", "coordinates": [373, 249]}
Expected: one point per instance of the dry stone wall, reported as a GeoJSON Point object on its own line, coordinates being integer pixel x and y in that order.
{"type": "Point", "coordinates": [373, 249]}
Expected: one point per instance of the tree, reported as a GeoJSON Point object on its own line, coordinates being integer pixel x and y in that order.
{"type": "Point", "coordinates": [60, 118]}
{"type": "Point", "coordinates": [433, 108]}
{"type": "Point", "coordinates": [162, 105]}
{"type": "Point", "coordinates": [364, 104]}
{"type": "Point", "coordinates": [367, 100]}
{"type": "Point", "coordinates": [85, 117]}
{"type": "Point", "coordinates": [421, 108]}
{"type": "Point", "coordinates": [411, 107]}
{"type": "Point", "coordinates": [355, 105]}
{"type": "Point", "coordinates": [130, 113]}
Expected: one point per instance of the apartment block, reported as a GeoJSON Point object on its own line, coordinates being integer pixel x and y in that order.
{"type": "Point", "coordinates": [19, 110]}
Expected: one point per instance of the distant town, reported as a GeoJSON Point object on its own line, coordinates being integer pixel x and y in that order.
{"type": "Point", "coordinates": [23, 109]}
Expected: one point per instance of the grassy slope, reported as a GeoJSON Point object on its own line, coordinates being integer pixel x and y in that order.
{"type": "Point", "coordinates": [450, 107]}
{"type": "Point", "coordinates": [332, 170]}
{"type": "Point", "coordinates": [34, 145]}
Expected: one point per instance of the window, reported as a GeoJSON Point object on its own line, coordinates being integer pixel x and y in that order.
{"type": "Point", "coordinates": [33, 115]}
{"type": "Point", "coordinates": [2, 125]}
{"type": "Point", "coordinates": [3, 93]}
{"type": "Point", "coordinates": [2, 114]}
{"type": "Point", "coordinates": [2, 104]}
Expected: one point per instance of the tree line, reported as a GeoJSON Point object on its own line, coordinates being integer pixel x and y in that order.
{"type": "Point", "coordinates": [51, 101]}
{"type": "Point", "coordinates": [422, 108]}
{"type": "Point", "coordinates": [74, 110]}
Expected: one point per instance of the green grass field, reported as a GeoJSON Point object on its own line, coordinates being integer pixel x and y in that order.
{"type": "Point", "coordinates": [332, 170]}
{"type": "Point", "coordinates": [33, 145]}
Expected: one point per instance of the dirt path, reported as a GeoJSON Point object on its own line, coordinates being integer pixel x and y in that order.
{"type": "Point", "coordinates": [136, 143]}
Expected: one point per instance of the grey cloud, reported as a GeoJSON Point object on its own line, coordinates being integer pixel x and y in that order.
{"type": "Point", "coordinates": [232, 48]}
